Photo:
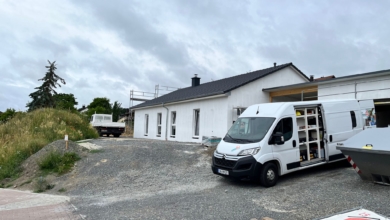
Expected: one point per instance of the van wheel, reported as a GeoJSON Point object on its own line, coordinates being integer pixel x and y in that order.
{"type": "Point", "coordinates": [116, 135]}
{"type": "Point", "coordinates": [269, 175]}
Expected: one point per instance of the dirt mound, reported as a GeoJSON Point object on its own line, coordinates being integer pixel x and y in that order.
{"type": "Point", "coordinates": [30, 166]}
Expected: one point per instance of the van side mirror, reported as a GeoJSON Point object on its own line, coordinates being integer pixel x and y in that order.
{"type": "Point", "coordinates": [278, 138]}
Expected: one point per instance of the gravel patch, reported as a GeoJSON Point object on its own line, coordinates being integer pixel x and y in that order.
{"type": "Point", "coordinates": [149, 179]}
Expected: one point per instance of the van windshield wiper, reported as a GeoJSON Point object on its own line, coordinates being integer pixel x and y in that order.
{"type": "Point", "coordinates": [235, 139]}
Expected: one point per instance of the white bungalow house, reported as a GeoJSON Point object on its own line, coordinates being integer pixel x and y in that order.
{"type": "Point", "coordinates": [209, 109]}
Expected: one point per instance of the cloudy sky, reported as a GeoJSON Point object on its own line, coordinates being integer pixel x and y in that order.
{"type": "Point", "coordinates": [107, 48]}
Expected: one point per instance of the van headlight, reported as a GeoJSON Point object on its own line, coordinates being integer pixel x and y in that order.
{"type": "Point", "coordinates": [251, 151]}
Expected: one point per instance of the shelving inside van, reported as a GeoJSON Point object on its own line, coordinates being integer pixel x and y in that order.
{"type": "Point", "coordinates": [309, 125]}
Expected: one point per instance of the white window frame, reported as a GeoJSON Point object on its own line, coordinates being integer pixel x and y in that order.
{"type": "Point", "coordinates": [146, 125]}
{"type": "Point", "coordinates": [173, 123]}
{"type": "Point", "coordinates": [159, 119]}
{"type": "Point", "coordinates": [196, 123]}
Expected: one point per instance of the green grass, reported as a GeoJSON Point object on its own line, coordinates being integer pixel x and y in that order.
{"type": "Point", "coordinates": [8, 185]}
{"type": "Point", "coordinates": [55, 162]}
{"type": "Point", "coordinates": [94, 151]}
{"type": "Point", "coordinates": [27, 133]}
{"type": "Point", "coordinates": [62, 190]}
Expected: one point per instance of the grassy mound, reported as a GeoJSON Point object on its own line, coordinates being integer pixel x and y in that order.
{"type": "Point", "coordinates": [27, 133]}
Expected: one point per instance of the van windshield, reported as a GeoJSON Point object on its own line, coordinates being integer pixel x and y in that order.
{"type": "Point", "coordinates": [249, 130]}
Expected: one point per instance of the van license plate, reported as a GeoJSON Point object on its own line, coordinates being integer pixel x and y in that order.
{"type": "Point", "coordinates": [224, 172]}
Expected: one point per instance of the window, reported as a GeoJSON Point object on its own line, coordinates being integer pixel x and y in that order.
{"type": "Point", "coordinates": [173, 124]}
{"type": "Point", "coordinates": [146, 124]}
{"type": "Point", "coordinates": [353, 118]}
{"type": "Point", "coordinates": [107, 118]}
{"type": "Point", "coordinates": [196, 123]}
{"type": "Point", "coordinates": [249, 130]}
{"type": "Point", "coordinates": [159, 124]}
{"type": "Point", "coordinates": [285, 126]}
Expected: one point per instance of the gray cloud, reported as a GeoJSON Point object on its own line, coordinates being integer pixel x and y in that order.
{"type": "Point", "coordinates": [137, 33]}
{"type": "Point", "coordinates": [104, 49]}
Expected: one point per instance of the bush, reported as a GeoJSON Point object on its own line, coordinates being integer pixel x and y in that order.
{"type": "Point", "coordinates": [7, 115]}
{"type": "Point", "coordinates": [41, 185]}
{"type": "Point", "coordinates": [55, 162]}
{"type": "Point", "coordinates": [27, 133]}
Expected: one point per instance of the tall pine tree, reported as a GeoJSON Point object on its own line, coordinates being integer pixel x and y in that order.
{"type": "Point", "coordinates": [43, 97]}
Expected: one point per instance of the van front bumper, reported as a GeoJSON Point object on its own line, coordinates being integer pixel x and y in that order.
{"type": "Point", "coordinates": [243, 168]}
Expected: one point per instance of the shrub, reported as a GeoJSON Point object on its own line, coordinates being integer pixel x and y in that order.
{"type": "Point", "coordinates": [55, 162]}
{"type": "Point", "coordinates": [41, 185]}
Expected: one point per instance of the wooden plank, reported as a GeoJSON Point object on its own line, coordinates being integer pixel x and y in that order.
{"type": "Point", "coordinates": [294, 91]}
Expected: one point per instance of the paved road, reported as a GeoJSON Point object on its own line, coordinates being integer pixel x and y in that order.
{"type": "Point", "coordinates": [20, 205]}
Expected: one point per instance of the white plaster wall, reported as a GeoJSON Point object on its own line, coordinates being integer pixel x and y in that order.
{"type": "Point", "coordinates": [346, 89]}
{"type": "Point", "coordinates": [252, 93]}
{"type": "Point", "coordinates": [213, 117]}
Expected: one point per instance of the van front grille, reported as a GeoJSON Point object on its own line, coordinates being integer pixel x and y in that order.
{"type": "Point", "coordinates": [224, 162]}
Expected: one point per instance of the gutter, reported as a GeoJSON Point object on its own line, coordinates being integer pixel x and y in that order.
{"type": "Point", "coordinates": [166, 122]}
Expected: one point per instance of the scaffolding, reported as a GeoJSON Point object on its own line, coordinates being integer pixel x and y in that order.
{"type": "Point", "coordinates": [167, 89]}
{"type": "Point", "coordinates": [146, 96]}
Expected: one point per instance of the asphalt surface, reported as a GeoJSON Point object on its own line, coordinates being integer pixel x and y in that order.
{"type": "Point", "coordinates": [144, 179]}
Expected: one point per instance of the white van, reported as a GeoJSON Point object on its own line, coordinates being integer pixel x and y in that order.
{"type": "Point", "coordinates": [273, 139]}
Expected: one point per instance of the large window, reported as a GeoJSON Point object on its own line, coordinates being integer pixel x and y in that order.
{"type": "Point", "coordinates": [146, 125]}
{"type": "Point", "coordinates": [107, 118]}
{"type": "Point", "coordinates": [196, 123]}
{"type": "Point", "coordinates": [173, 124]}
{"type": "Point", "coordinates": [98, 118]}
{"type": "Point", "coordinates": [249, 130]}
{"type": "Point", "coordinates": [159, 124]}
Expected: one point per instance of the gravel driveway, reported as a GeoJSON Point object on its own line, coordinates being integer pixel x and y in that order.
{"type": "Point", "coordinates": [145, 179]}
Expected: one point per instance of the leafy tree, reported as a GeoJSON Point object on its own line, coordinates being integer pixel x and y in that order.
{"type": "Point", "coordinates": [97, 110]}
{"type": "Point", "coordinates": [65, 101]}
{"type": "Point", "coordinates": [43, 97]}
{"type": "Point", "coordinates": [102, 102]}
{"type": "Point", "coordinates": [100, 106]}
{"type": "Point", "coordinates": [116, 111]}
{"type": "Point", "coordinates": [7, 115]}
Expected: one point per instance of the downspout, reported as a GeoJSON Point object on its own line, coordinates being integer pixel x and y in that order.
{"type": "Point", "coordinates": [166, 122]}
{"type": "Point", "coordinates": [355, 90]}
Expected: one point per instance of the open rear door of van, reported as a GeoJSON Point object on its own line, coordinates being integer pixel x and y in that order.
{"type": "Point", "coordinates": [340, 119]}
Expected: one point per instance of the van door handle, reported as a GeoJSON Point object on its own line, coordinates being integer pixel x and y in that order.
{"type": "Point", "coordinates": [330, 138]}
{"type": "Point", "coordinates": [294, 143]}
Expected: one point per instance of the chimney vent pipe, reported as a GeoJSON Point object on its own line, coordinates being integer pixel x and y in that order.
{"type": "Point", "coordinates": [195, 80]}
